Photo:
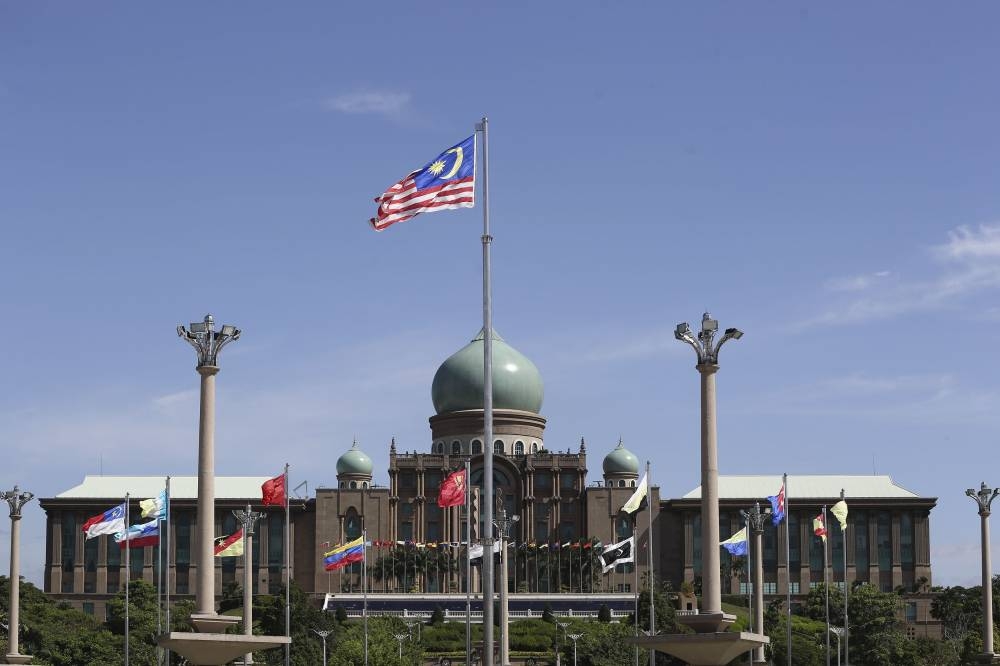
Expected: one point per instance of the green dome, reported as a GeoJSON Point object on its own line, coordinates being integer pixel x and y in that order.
{"type": "Point", "coordinates": [621, 461]}
{"type": "Point", "coordinates": [458, 383]}
{"type": "Point", "coordinates": [355, 461]}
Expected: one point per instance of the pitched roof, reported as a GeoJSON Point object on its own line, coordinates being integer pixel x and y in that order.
{"type": "Point", "coordinates": [181, 487]}
{"type": "Point", "coordinates": [806, 486]}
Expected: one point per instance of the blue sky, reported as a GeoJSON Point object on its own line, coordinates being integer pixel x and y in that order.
{"type": "Point", "coordinates": [822, 177]}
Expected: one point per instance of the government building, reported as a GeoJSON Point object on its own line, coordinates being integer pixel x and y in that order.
{"type": "Point", "coordinates": [565, 517]}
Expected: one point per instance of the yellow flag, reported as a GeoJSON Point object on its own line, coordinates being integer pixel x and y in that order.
{"type": "Point", "coordinates": [636, 502]}
{"type": "Point", "coordinates": [840, 511]}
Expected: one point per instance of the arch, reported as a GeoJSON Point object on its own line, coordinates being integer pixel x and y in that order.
{"type": "Point", "coordinates": [364, 484]}
{"type": "Point", "coordinates": [352, 524]}
{"type": "Point", "coordinates": [498, 446]}
{"type": "Point", "coordinates": [534, 447]}
{"type": "Point", "coordinates": [456, 448]}
{"type": "Point", "coordinates": [343, 484]}
{"type": "Point", "coordinates": [621, 483]}
{"type": "Point", "coordinates": [477, 447]}
{"type": "Point", "coordinates": [354, 484]}
{"type": "Point", "coordinates": [632, 483]}
{"type": "Point", "coordinates": [518, 448]}
{"type": "Point", "coordinates": [440, 447]}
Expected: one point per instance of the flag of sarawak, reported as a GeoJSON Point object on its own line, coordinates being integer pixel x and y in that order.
{"type": "Point", "coordinates": [452, 491]}
{"type": "Point", "coordinates": [447, 181]}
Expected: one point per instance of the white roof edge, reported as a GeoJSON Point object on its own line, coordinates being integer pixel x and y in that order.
{"type": "Point", "coordinates": [743, 486]}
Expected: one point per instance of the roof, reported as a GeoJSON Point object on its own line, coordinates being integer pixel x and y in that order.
{"type": "Point", "coordinates": [806, 486]}
{"type": "Point", "coordinates": [181, 487]}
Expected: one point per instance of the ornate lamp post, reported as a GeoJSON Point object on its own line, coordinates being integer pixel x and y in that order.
{"type": "Point", "coordinates": [755, 521]}
{"type": "Point", "coordinates": [564, 626]}
{"type": "Point", "coordinates": [984, 498]}
{"type": "Point", "coordinates": [323, 633]}
{"type": "Point", "coordinates": [248, 520]}
{"type": "Point", "coordinates": [207, 343]}
{"type": "Point", "coordinates": [400, 638]}
{"type": "Point", "coordinates": [16, 500]}
{"type": "Point", "coordinates": [710, 617]}
{"type": "Point", "coordinates": [574, 637]}
{"type": "Point", "coordinates": [503, 524]}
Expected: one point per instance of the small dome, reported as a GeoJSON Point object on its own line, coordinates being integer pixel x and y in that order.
{"type": "Point", "coordinates": [458, 383]}
{"type": "Point", "coordinates": [354, 461]}
{"type": "Point", "coordinates": [621, 461]}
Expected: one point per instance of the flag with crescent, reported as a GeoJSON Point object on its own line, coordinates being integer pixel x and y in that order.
{"type": "Point", "coordinates": [447, 181]}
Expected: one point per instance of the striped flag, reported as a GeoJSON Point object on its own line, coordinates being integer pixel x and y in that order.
{"type": "Point", "coordinates": [230, 546]}
{"type": "Point", "coordinates": [447, 181]}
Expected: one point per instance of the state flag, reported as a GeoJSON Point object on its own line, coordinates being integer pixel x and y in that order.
{"type": "Point", "coordinates": [614, 554]}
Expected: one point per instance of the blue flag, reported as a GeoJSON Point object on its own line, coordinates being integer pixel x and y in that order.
{"type": "Point", "coordinates": [736, 544]}
{"type": "Point", "coordinates": [777, 505]}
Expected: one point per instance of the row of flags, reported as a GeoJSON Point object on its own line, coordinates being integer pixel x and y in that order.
{"type": "Point", "coordinates": [737, 544]}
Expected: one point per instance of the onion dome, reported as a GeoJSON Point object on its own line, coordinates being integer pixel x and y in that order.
{"type": "Point", "coordinates": [354, 462]}
{"type": "Point", "coordinates": [621, 461]}
{"type": "Point", "coordinates": [458, 383]}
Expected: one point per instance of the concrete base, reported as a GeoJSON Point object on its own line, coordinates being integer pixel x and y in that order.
{"type": "Point", "coordinates": [706, 623]}
{"type": "Point", "coordinates": [715, 649]}
{"type": "Point", "coordinates": [16, 659]}
{"type": "Point", "coordinates": [211, 623]}
{"type": "Point", "coordinates": [988, 658]}
{"type": "Point", "coordinates": [216, 649]}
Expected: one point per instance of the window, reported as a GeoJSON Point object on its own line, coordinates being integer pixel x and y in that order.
{"type": "Point", "coordinates": [567, 481]}
{"type": "Point", "coordinates": [816, 547]}
{"type": "Point", "coordinates": [352, 524]}
{"type": "Point", "coordinates": [568, 509]}
{"type": "Point", "coordinates": [794, 545]}
{"type": "Point", "coordinates": [794, 587]}
{"type": "Point", "coordinates": [906, 540]}
{"type": "Point", "coordinates": [861, 544]}
{"type": "Point", "coordinates": [439, 447]}
{"type": "Point", "coordinates": [836, 538]}
{"type": "Point", "coordinates": [354, 485]}
{"type": "Point", "coordinates": [228, 563]}
{"type": "Point", "coordinates": [456, 448]}
{"type": "Point", "coordinates": [543, 480]}
{"type": "Point", "coordinates": [137, 557]}
{"type": "Point", "coordinates": [770, 548]}
{"type": "Point", "coordinates": [519, 448]}
{"type": "Point", "coordinates": [770, 588]}
{"type": "Point", "coordinates": [541, 522]}
{"type": "Point", "coordinates": [69, 533]}
{"type": "Point", "coordinates": [275, 551]}
{"type": "Point", "coordinates": [364, 484]}
{"type": "Point", "coordinates": [885, 543]}
{"type": "Point", "coordinates": [182, 560]}
{"type": "Point", "coordinates": [696, 543]}
{"type": "Point", "coordinates": [498, 446]}
{"type": "Point", "coordinates": [90, 550]}
{"type": "Point", "coordinates": [632, 483]}
{"type": "Point", "coordinates": [911, 611]}
{"type": "Point", "coordinates": [88, 606]}
{"type": "Point", "coordinates": [534, 447]}
{"type": "Point", "coordinates": [407, 480]}
{"type": "Point", "coordinates": [114, 559]}
{"type": "Point", "coordinates": [477, 447]}
{"type": "Point", "coordinates": [621, 483]}
{"type": "Point", "coordinates": [746, 588]}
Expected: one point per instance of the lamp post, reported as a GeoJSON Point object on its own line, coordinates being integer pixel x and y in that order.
{"type": "Point", "coordinates": [323, 633]}
{"type": "Point", "coordinates": [563, 626]}
{"type": "Point", "coordinates": [984, 498]}
{"type": "Point", "coordinates": [207, 343]}
{"type": "Point", "coordinates": [755, 521]}
{"type": "Point", "coordinates": [400, 638]}
{"type": "Point", "coordinates": [410, 625]}
{"type": "Point", "coordinates": [16, 499]}
{"type": "Point", "coordinates": [248, 520]}
{"type": "Point", "coordinates": [574, 637]}
{"type": "Point", "coordinates": [837, 632]}
{"type": "Point", "coordinates": [710, 617]}
{"type": "Point", "coordinates": [503, 524]}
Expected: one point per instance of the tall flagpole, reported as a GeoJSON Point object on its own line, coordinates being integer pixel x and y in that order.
{"type": "Point", "coordinates": [635, 568]}
{"type": "Point", "coordinates": [364, 586]}
{"type": "Point", "coordinates": [288, 569]}
{"type": "Point", "coordinates": [166, 573]}
{"type": "Point", "coordinates": [128, 574]}
{"type": "Point", "coordinates": [487, 410]}
{"type": "Point", "coordinates": [652, 604]}
{"type": "Point", "coordinates": [843, 540]}
{"type": "Point", "coordinates": [468, 568]}
{"type": "Point", "coordinates": [788, 570]}
{"type": "Point", "coordinates": [826, 581]}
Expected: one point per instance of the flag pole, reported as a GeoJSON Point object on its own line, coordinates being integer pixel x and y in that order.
{"type": "Point", "coordinates": [749, 567]}
{"type": "Point", "coordinates": [166, 572]}
{"type": "Point", "coordinates": [128, 574]}
{"type": "Point", "coordinates": [843, 538]}
{"type": "Point", "coordinates": [288, 566]}
{"type": "Point", "coordinates": [788, 571]}
{"type": "Point", "coordinates": [826, 582]}
{"type": "Point", "coordinates": [364, 586]}
{"type": "Point", "coordinates": [635, 568]}
{"type": "Point", "coordinates": [652, 604]}
{"type": "Point", "coordinates": [487, 408]}
{"type": "Point", "coordinates": [159, 584]}
{"type": "Point", "coordinates": [468, 567]}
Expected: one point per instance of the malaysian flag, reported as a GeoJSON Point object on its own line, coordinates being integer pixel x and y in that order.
{"type": "Point", "coordinates": [447, 181]}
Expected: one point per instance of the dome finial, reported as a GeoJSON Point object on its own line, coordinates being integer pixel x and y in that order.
{"type": "Point", "coordinates": [392, 445]}
{"type": "Point", "coordinates": [583, 446]}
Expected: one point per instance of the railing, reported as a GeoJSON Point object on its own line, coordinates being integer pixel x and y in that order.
{"type": "Point", "coordinates": [478, 615]}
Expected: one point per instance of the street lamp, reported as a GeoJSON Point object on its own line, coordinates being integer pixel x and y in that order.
{"type": "Point", "coordinates": [574, 637]}
{"type": "Point", "coordinates": [984, 498]}
{"type": "Point", "coordinates": [710, 617]}
{"type": "Point", "coordinates": [400, 638]}
{"type": "Point", "coordinates": [755, 519]}
{"type": "Point", "coordinates": [563, 626]}
{"type": "Point", "coordinates": [248, 519]}
{"type": "Point", "coordinates": [410, 625]}
{"type": "Point", "coordinates": [503, 524]}
{"type": "Point", "coordinates": [837, 632]}
{"type": "Point", "coordinates": [323, 633]}
{"type": "Point", "coordinates": [16, 500]}
{"type": "Point", "coordinates": [207, 344]}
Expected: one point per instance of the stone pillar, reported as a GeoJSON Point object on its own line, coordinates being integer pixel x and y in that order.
{"type": "Point", "coordinates": [758, 592]}
{"type": "Point", "coordinates": [205, 589]}
{"type": "Point", "coordinates": [710, 558]}
{"type": "Point", "coordinates": [16, 500]}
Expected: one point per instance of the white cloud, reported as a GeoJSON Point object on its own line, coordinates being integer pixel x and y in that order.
{"type": "Point", "coordinates": [968, 263]}
{"type": "Point", "coordinates": [383, 103]}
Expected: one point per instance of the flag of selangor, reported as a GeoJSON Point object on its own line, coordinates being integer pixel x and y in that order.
{"type": "Point", "coordinates": [109, 522]}
{"type": "Point", "coordinates": [447, 181]}
{"type": "Point", "coordinates": [348, 553]}
{"type": "Point", "coordinates": [736, 544]}
{"type": "Point", "coordinates": [273, 491]}
{"type": "Point", "coordinates": [155, 507]}
{"type": "Point", "coordinates": [140, 536]}
{"type": "Point", "coordinates": [452, 491]}
{"type": "Point", "coordinates": [778, 505]}
{"type": "Point", "coordinates": [819, 527]}
{"type": "Point", "coordinates": [230, 546]}
{"type": "Point", "coordinates": [839, 510]}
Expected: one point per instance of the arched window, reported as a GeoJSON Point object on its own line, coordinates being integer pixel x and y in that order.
{"type": "Point", "coordinates": [621, 484]}
{"type": "Point", "coordinates": [352, 524]}
{"type": "Point", "coordinates": [343, 485]}
{"type": "Point", "coordinates": [456, 448]}
{"type": "Point", "coordinates": [498, 446]}
{"type": "Point", "coordinates": [632, 483]}
{"type": "Point", "coordinates": [534, 447]}
{"type": "Point", "coordinates": [364, 484]}
{"type": "Point", "coordinates": [440, 447]}
{"type": "Point", "coordinates": [354, 484]}
{"type": "Point", "coordinates": [477, 446]}
{"type": "Point", "coordinates": [519, 448]}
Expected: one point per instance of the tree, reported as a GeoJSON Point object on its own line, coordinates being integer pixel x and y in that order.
{"type": "Point", "coordinates": [305, 650]}
{"type": "Point", "coordinates": [876, 636]}
{"type": "Point", "coordinates": [815, 607]}
{"type": "Point", "coordinates": [604, 614]}
{"type": "Point", "coordinates": [142, 620]}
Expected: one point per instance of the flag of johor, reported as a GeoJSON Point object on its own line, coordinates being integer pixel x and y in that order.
{"type": "Point", "coordinates": [778, 505]}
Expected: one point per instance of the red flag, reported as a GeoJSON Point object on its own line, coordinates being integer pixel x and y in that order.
{"type": "Point", "coordinates": [819, 527]}
{"type": "Point", "coordinates": [273, 491]}
{"type": "Point", "coordinates": [452, 491]}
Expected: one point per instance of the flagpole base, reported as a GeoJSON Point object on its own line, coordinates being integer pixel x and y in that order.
{"type": "Point", "coordinates": [710, 649]}
{"type": "Point", "coordinates": [988, 658]}
{"type": "Point", "coordinates": [217, 649]}
{"type": "Point", "coordinates": [211, 623]}
{"type": "Point", "coordinates": [706, 623]}
{"type": "Point", "coordinates": [16, 659]}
